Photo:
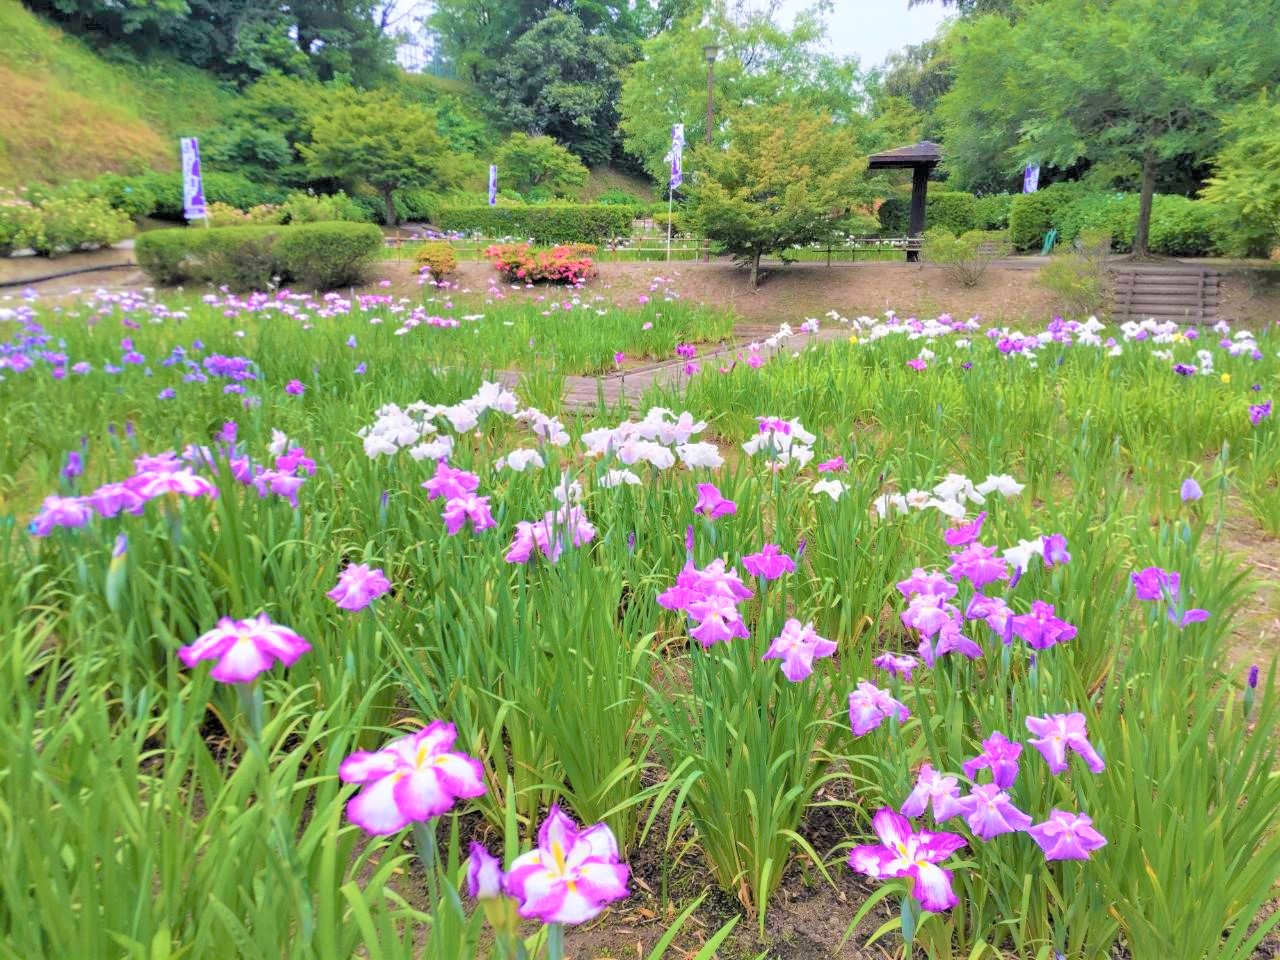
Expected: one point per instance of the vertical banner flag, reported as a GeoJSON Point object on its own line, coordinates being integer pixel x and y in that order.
{"type": "Point", "coordinates": [493, 184]}
{"type": "Point", "coordinates": [677, 155]}
{"type": "Point", "coordinates": [1031, 178]}
{"type": "Point", "coordinates": [192, 181]}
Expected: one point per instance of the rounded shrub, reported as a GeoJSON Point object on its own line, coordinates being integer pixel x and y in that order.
{"type": "Point", "coordinates": [74, 223]}
{"type": "Point", "coordinates": [992, 212]}
{"type": "Point", "coordinates": [436, 256]}
{"type": "Point", "coordinates": [327, 255]}
{"type": "Point", "coordinates": [21, 224]}
{"type": "Point", "coordinates": [952, 209]}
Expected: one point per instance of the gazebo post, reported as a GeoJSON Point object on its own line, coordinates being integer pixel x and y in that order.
{"type": "Point", "coordinates": [919, 191]}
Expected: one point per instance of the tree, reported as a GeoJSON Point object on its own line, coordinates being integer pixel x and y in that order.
{"type": "Point", "coordinates": [786, 177]}
{"type": "Point", "coordinates": [560, 80]}
{"type": "Point", "coordinates": [968, 8]}
{"type": "Point", "coordinates": [760, 63]}
{"type": "Point", "coordinates": [384, 142]}
{"type": "Point", "coordinates": [1246, 173]}
{"type": "Point", "coordinates": [526, 162]}
{"type": "Point", "coordinates": [1132, 89]}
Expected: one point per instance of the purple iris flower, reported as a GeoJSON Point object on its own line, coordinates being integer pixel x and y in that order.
{"type": "Point", "coordinates": [869, 706]}
{"type": "Point", "coordinates": [1055, 550]}
{"type": "Point", "coordinates": [979, 565]}
{"type": "Point", "coordinates": [358, 586]}
{"type": "Point", "coordinates": [999, 755]}
{"type": "Point", "coordinates": [1190, 491]}
{"type": "Point", "coordinates": [896, 666]}
{"type": "Point", "coordinates": [769, 564]}
{"type": "Point", "coordinates": [910, 855]}
{"type": "Point", "coordinates": [1067, 836]}
{"type": "Point", "coordinates": [711, 504]}
{"type": "Point", "coordinates": [1060, 732]}
{"type": "Point", "coordinates": [1040, 629]}
{"type": "Point", "coordinates": [927, 583]}
{"type": "Point", "coordinates": [990, 813]}
{"type": "Point", "coordinates": [965, 534]}
{"type": "Point", "coordinates": [1259, 412]}
{"type": "Point", "coordinates": [935, 790]}
{"type": "Point", "coordinates": [1155, 583]}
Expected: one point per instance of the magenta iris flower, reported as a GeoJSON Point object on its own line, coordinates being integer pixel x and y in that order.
{"type": "Point", "coordinates": [1040, 629]}
{"type": "Point", "coordinates": [918, 363]}
{"type": "Point", "coordinates": [965, 534]}
{"type": "Point", "coordinates": [990, 813]}
{"type": "Point", "coordinates": [358, 586]}
{"type": "Point", "coordinates": [1000, 756]}
{"type": "Point", "coordinates": [182, 482]}
{"type": "Point", "coordinates": [928, 613]}
{"type": "Point", "coordinates": [1259, 412]}
{"type": "Point", "coordinates": [571, 876]}
{"type": "Point", "coordinates": [295, 388]}
{"type": "Point", "coordinates": [895, 666]}
{"type": "Point", "coordinates": [112, 498]}
{"type": "Point", "coordinates": [1194, 615]}
{"type": "Point", "coordinates": [1055, 550]}
{"type": "Point", "coordinates": [458, 511]}
{"type": "Point", "coordinates": [711, 504]}
{"type": "Point", "coordinates": [996, 613]}
{"type": "Point", "coordinates": [769, 564]}
{"type": "Point", "coordinates": [244, 648]}
{"type": "Point", "coordinates": [450, 483]}
{"type": "Point", "coordinates": [979, 565]}
{"type": "Point", "coordinates": [693, 584]}
{"type": "Point", "coordinates": [1060, 732]}
{"type": "Point", "coordinates": [1067, 836]}
{"type": "Point", "coordinates": [797, 647]}
{"type": "Point", "coordinates": [1154, 583]}
{"type": "Point", "coordinates": [935, 790]}
{"type": "Point", "coordinates": [951, 639]}
{"type": "Point", "coordinates": [834, 465]}
{"type": "Point", "coordinates": [485, 879]}
{"type": "Point", "coordinates": [913, 856]}
{"type": "Point", "coordinates": [411, 780]}
{"type": "Point", "coordinates": [927, 583]}
{"type": "Point", "coordinates": [869, 706]}
{"type": "Point", "coordinates": [58, 511]}
{"type": "Point", "coordinates": [718, 620]}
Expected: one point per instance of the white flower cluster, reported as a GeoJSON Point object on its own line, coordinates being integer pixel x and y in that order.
{"type": "Point", "coordinates": [658, 440]}
{"type": "Point", "coordinates": [781, 441]}
{"type": "Point", "coordinates": [949, 496]}
{"type": "Point", "coordinates": [397, 429]}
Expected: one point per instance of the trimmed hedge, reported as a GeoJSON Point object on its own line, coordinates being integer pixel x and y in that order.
{"type": "Point", "coordinates": [953, 209]}
{"type": "Point", "coordinates": [229, 188]}
{"type": "Point", "coordinates": [548, 223]}
{"type": "Point", "coordinates": [992, 213]}
{"type": "Point", "coordinates": [322, 255]}
{"type": "Point", "coordinates": [1032, 215]}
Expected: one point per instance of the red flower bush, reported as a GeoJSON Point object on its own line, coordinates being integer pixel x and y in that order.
{"type": "Point", "coordinates": [566, 263]}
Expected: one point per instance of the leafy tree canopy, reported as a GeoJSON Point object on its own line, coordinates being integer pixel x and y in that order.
{"type": "Point", "coordinates": [1246, 177]}
{"type": "Point", "coordinates": [526, 163]}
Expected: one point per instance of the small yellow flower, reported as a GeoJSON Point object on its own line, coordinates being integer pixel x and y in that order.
{"type": "Point", "coordinates": [1226, 378]}
{"type": "Point", "coordinates": [1179, 337]}
{"type": "Point", "coordinates": [853, 339]}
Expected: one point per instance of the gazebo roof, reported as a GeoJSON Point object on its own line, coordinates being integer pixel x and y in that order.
{"type": "Point", "coordinates": [924, 153]}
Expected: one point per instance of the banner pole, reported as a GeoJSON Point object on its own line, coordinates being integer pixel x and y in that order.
{"type": "Point", "coordinates": [670, 192]}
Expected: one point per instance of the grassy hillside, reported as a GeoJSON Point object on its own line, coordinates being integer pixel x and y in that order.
{"type": "Point", "coordinates": [603, 179]}
{"type": "Point", "coordinates": [65, 112]}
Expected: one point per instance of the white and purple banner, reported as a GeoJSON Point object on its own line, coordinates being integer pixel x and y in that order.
{"type": "Point", "coordinates": [677, 155]}
{"type": "Point", "coordinates": [1031, 178]}
{"type": "Point", "coordinates": [493, 184]}
{"type": "Point", "coordinates": [193, 207]}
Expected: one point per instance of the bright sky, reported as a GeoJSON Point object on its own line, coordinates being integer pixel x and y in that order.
{"type": "Point", "coordinates": [872, 28]}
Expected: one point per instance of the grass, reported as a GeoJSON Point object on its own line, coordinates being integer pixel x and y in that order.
{"type": "Point", "coordinates": [69, 113]}
{"type": "Point", "coordinates": [126, 772]}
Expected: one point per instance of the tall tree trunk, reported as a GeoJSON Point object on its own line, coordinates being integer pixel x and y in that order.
{"type": "Point", "coordinates": [392, 218]}
{"type": "Point", "coordinates": [1140, 247]}
{"type": "Point", "coordinates": [755, 269]}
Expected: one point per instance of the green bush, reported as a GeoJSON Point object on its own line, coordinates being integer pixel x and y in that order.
{"type": "Point", "coordinates": [616, 197]}
{"type": "Point", "coordinates": [1182, 227]}
{"type": "Point", "coordinates": [224, 215]}
{"type": "Point", "coordinates": [964, 258]}
{"type": "Point", "coordinates": [314, 254]}
{"type": "Point", "coordinates": [21, 225]}
{"type": "Point", "coordinates": [229, 188]}
{"type": "Point", "coordinates": [122, 193]}
{"type": "Point", "coordinates": [1075, 281]}
{"type": "Point", "coordinates": [73, 223]}
{"type": "Point", "coordinates": [416, 204]}
{"type": "Point", "coordinates": [318, 208]}
{"type": "Point", "coordinates": [893, 214]}
{"type": "Point", "coordinates": [436, 256]}
{"type": "Point", "coordinates": [1111, 212]}
{"type": "Point", "coordinates": [1032, 215]}
{"type": "Point", "coordinates": [992, 213]}
{"type": "Point", "coordinates": [951, 209]}
{"type": "Point", "coordinates": [327, 255]}
{"type": "Point", "coordinates": [549, 223]}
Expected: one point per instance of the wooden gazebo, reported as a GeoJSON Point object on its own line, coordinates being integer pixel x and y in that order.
{"type": "Point", "coordinates": [921, 158]}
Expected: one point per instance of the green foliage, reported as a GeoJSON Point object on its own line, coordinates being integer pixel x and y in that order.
{"type": "Point", "coordinates": [322, 256]}
{"type": "Point", "coordinates": [253, 151]}
{"type": "Point", "coordinates": [1134, 89]}
{"type": "Point", "coordinates": [951, 209]}
{"type": "Point", "coordinates": [383, 141]}
{"type": "Point", "coordinates": [319, 255]}
{"type": "Point", "coordinates": [615, 196]}
{"type": "Point", "coordinates": [785, 179]}
{"type": "Point", "coordinates": [548, 223]}
{"type": "Point", "coordinates": [436, 256]}
{"type": "Point", "coordinates": [964, 258]}
{"type": "Point", "coordinates": [1032, 215]}
{"type": "Point", "coordinates": [229, 188]}
{"type": "Point", "coordinates": [313, 208]}
{"type": "Point", "coordinates": [223, 215]}
{"type": "Point", "coordinates": [73, 223]}
{"type": "Point", "coordinates": [1075, 281]}
{"type": "Point", "coordinates": [1246, 176]}
{"type": "Point", "coordinates": [893, 216]}
{"type": "Point", "coordinates": [992, 212]}
{"type": "Point", "coordinates": [526, 162]}
{"type": "Point", "coordinates": [20, 224]}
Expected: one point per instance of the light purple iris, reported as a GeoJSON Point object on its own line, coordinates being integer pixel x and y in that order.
{"type": "Point", "coordinates": [1060, 732]}
{"type": "Point", "coordinates": [177, 482]}
{"type": "Point", "coordinates": [869, 706]}
{"type": "Point", "coordinates": [411, 780]}
{"type": "Point", "coordinates": [450, 483]}
{"type": "Point", "coordinates": [711, 504]}
{"type": "Point", "coordinates": [458, 511]}
{"type": "Point", "coordinates": [913, 856]}
{"type": "Point", "coordinates": [895, 666]}
{"type": "Point", "coordinates": [1040, 629]}
{"type": "Point", "coordinates": [358, 586]}
{"type": "Point", "coordinates": [718, 620]}
{"type": "Point", "coordinates": [1194, 615]}
{"type": "Point", "coordinates": [1067, 836]}
{"type": "Point", "coordinates": [965, 534]}
{"type": "Point", "coordinates": [244, 648]}
{"type": "Point", "coordinates": [996, 613]}
{"type": "Point", "coordinates": [951, 639]}
{"type": "Point", "coordinates": [1055, 550]}
{"type": "Point", "coordinates": [990, 813]}
{"type": "Point", "coordinates": [927, 583]}
{"type": "Point", "coordinates": [112, 498]}
{"type": "Point", "coordinates": [979, 565]}
{"type": "Point", "coordinates": [485, 879]}
{"type": "Point", "coordinates": [1190, 491]}
{"type": "Point", "coordinates": [1000, 756]}
{"type": "Point", "coordinates": [58, 511]}
{"type": "Point", "coordinates": [1259, 412]}
{"type": "Point", "coordinates": [571, 876]}
{"type": "Point", "coordinates": [928, 613]}
{"type": "Point", "coordinates": [935, 790]}
{"type": "Point", "coordinates": [1155, 583]}
{"type": "Point", "coordinates": [797, 646]}
{"type": "Point", "coordinates": [769, 564]}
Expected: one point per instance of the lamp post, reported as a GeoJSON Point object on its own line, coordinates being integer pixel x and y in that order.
{"type": "Point", "coordinates": [710, 51]}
